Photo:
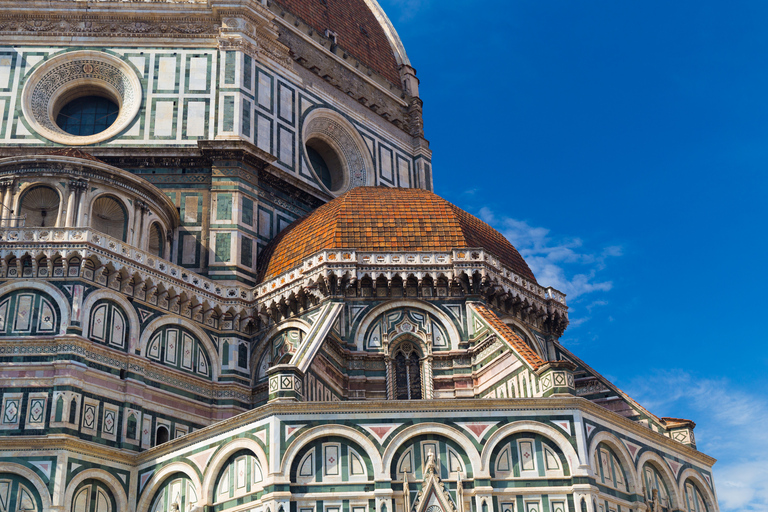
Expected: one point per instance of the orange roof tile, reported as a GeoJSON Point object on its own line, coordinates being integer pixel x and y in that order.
{"type": "Point", "coordinates": [386, 219]}
{"type": "Point", "coordinates": [517, 343]}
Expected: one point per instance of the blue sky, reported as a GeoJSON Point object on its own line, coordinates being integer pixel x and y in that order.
{"type": "Point", "coordinates": [623, 148]}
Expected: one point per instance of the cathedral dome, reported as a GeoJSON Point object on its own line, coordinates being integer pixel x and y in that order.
{"type": "Point", "coordinates": [382, 219]}
{"type": "Point", "coordinates": [361, 28]}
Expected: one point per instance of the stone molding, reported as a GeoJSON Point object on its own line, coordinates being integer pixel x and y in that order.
{"type": "Point", "coordinates": [89, 243]}
{"type": "Point", "coordinates": [69, 25]}
{"type": "Point", "coordinates": [103, 355]}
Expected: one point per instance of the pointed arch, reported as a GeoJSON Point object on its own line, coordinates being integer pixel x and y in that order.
{"type": "Point", "coordinates": [216, 463]}
{"type": "Point", "coordinates": [529, 426]}
{"type": "Point", "coordinates": [159, 478]}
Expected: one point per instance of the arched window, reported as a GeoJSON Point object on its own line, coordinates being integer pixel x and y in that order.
{"type": "Point", "coordinates": [40, 206]}
{"type": "Point", "coordinates": [156, 243]}
{"type": "Point", "coordinates": [130, 431]}
{"type": "Point", "coordinates": [242, 355]}
{"type": "Point", "coordinates": [73, 411]}
{"type": "Point", "coordinates": [59, 408]}
{"type": "Point", "coordinates": [407, 371]}
{"type": "Point", "coordinates": [109, 216]}
{"type": "Point", "coordinates": [161, 436]}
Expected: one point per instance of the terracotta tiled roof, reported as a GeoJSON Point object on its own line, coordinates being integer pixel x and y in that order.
{"type": "Point", "coordinates": [358, 31]}
{"type": "Point", "coordinates": [386, 219]}
{"type": "Point", "coordinates": [678, 422]}
{"type": "Point", "coordinates": [74, 153]}
{"type": "Point", "coordinates": [517, 343]}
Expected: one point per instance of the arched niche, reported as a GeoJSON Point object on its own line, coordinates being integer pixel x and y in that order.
{"type": "Point", "coordinates": [109, 215]}
{"type": "Point", "coordinates": [95, 298]}
{"type": "Point", "coordinates": [531, 427]}
{"type": "Point", "coordinates": [695, 493]}
{"type": "Point", "coordinates": [177, 489]}
{"type": "Point", "coordinates": [611, 460]}
{"type": "Point", "coordinates": [158, 481]}
{"type": "Point", "coordinates": [20, 490]}
{"type": "Point", "coordinates": [528, 455]}
{"type": "Point", "coordinates": [661, 476]}
{"type": "Point", "coordinates": [433, 429]}
{"type": "Point", "coordinates": [179, 348]}
{"type": "Point", "coordinates": [156, 240]}
{"type": "Point", "coordinates": [29, 311]}
{"type": "Point", "coordinates": [149, 332]}
{"type": "Point", "coordinates": [102, 478]}
{"type": "Point", "coordinates": [451, 458]}
{"type": "Point", "coordinates": [336, 430]}
{"type": "Point", "coordinates": [431, 313]}
{"type": "Point", "coordinates": [333, 459]}
{"type": "Point", "coordinates": [222, 459]}
{"type": "Point", "coordinates": [92, 495]}
{"type": "Point", "coordinates": [39, 205]}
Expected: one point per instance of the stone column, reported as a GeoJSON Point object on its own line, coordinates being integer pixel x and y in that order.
{"type": "Point", "coordinates": [60, 213]}
{"type": "Point", "coordinates": [69, 220]}
{"type": "Point", "coordinates": [82, 192]}
{"type": "Point", "coordinates": [5, 193]}
{"type": "Point", "coordinates": [7, 203]}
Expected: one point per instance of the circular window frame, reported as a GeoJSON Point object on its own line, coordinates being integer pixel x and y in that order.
{"type": "Point", "coordinates": [350, 151]}
{"type": "Point", "coordinates": [72, 75]}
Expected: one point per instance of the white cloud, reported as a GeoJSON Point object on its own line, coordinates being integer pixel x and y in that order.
{"type": "Point", "coordinates": [730, 427]}
{"type": "Point", "coordinates": [561, 262]}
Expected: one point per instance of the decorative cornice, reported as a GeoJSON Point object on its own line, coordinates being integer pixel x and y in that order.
{"type": "Point", "coordinates": [120, 360]}
{"type": "Point", "coordinates": [123, 256]}
{"type": "Point", "coordinates": [78, 24]}
{"type": "Point", "coordinates": [456, 407]}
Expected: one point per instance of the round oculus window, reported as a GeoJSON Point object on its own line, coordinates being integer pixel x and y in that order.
{"type": "Point", "coordinates": [332, 152]}
{"type": "Point", "coordinates": [320, 167]}
{"type": "Point", "coordinates": [87, 115]}
{"type": "Point", "coordinates": [81, 97]}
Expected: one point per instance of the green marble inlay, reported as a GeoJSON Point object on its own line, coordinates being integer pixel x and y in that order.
{"type": "Point", "coordinates": [224, 207]}
{"type": "Point", "coordinates": [223, 249]}
{"type": "Point", "coordinates": [229, 68]}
